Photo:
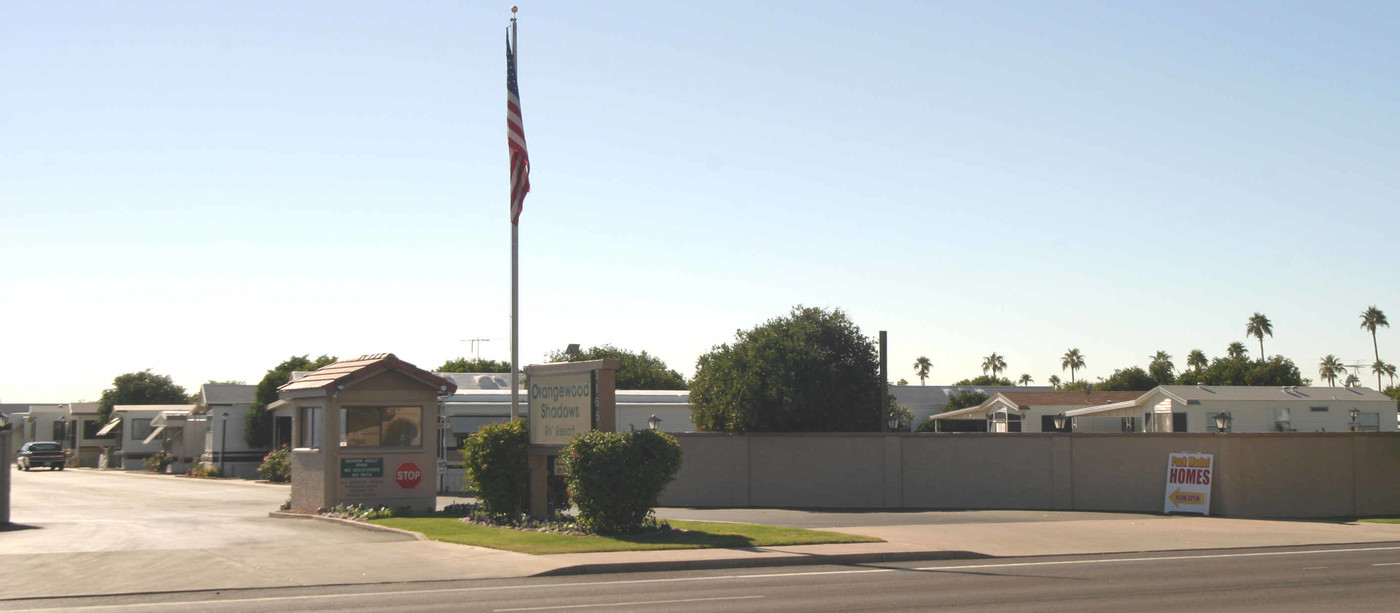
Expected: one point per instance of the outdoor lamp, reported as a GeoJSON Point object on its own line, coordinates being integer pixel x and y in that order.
{"type": "Point", "coordinates": [1060, 420]}
{"type": "Point", "coordinates": [1222, 422]}
{"type": "Point", "coordinates": [654, 422]}
{"type": "Point", "coordinates": [1355, 413]}
{"type": "Point", "coordinates": [892, 421]}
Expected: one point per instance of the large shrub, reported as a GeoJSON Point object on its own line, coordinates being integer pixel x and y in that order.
{"type": "Point", "coordinates": [811, 371]}
{"type": "Point", "coordinates": [615, 478]}
{"type": "Point", "coordinates": [498, 467]}
{"type": "Point", "coordinates": [277, 466]}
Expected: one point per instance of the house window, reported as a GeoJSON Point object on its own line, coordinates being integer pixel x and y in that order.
{"type": "Point", "coordinates": [140, 429]}
{"type": "Point", "coordinates": [1318, 409]}
{"type": "Point", "coordinates": [1368, 422]}
{"type": "Point", "coordinates": [381, 427]}
{"type": "Point", "coordinates": [90, 428]}
{"type": "Point", "coordinates": [1130, 424]}
{"type": "Point", "coordinates": [60, 431]}
{"type": "Point", "coordinates": [1283, 420]}
{"type": "Point", "coordinates": [309, 427]}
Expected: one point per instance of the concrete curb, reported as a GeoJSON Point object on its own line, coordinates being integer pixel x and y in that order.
{"type": "Point", "coordinates": [763, 561]}
{"type": "Point", "coordinates": [348, 522]}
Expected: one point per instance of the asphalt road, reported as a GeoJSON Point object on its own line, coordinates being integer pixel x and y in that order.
{"type": "Point", "coordinates": [1350, 578]}
{"type": "Point", "coordinates": [72, 511]}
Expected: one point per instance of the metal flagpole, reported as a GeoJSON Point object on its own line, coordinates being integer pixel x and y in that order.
{"type": "Point", "coordinates": [514, 269]}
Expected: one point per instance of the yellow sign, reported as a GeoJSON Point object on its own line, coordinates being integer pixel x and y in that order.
{"type": "Point", "coordinates": [1179, 498]}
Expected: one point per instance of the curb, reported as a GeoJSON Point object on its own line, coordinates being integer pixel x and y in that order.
{"type": "Point", "coordinates": [418, 536]}
{"type": "Point", "coordinates": [761, 562]}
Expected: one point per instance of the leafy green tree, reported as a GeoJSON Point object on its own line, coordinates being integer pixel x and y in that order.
{"type": "Point", "coordinates": [1075, 386]}
{"type": "Point", "coordinates": [258, 425]}
{"type": "Point", "coordinates": [993, 363]}
{"type": "Point", "coordinates": [1258, 326]}
{"type": "Point", "coordinates": [810, 371]}
{"type": "Point", "coordinates": [1025, 379]}
{"type": "Point", "coordinates": [1236, 350]}
{"type": "Point", "coordinates": [1276, 370]}
{"type": "Point", "coordinates": [1371, 319]}
{"type": "Point", "coordinates": [1196, 360]}
{"type": "Point", "coordinates": [474, 365]}
{"type": "Point", "coordinates": [1055, 382]}
{"type": "Point", "coordinates": [1330, 368]}
{"type": "Point", "coordinates": [635, 371]}
{"type": "Point", "coordinates": [1073, 360]}
{"type": "Point", "coordinates": [143, 387]}
{"type": "Point", "coordinates": [1161, 368]}
{"type": "Point", "coordinates": [906, 417]}
{"type": "Point", "coordinates": [921, 368]}
{"type": "Point", "coordinates": [986, 380]}
{"type": "Point", "coordinates": [964, 399]}
{"type": "Point", "coordinates": [1131, 379]}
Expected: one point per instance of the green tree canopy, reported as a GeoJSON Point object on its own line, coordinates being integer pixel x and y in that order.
{"type": "Point", "coordinates": [474, 365]}
{"type": "Point", "coordinates": [810, 371]}
{"type": "Point", "coordinates": [636, 371]}
{"type": "Point", "coordinates": [964, 399]}
{"type": "Point", "coordinates": [143, 387]}
{"type": "Point", "coordinates": [986, 380]}
{"type": "Point", "coordinates": [1197, 360]}
{"type": "Point", "coordinates": [1276, 370]}
{"type": "Point", "coordinates": [1161, 368]}
{"type": "Point", "coordinates": [1131, 379]}
{"type": "Point", "coordinates": [258, 430]}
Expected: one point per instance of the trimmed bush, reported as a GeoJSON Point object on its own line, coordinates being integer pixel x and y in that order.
{"type": "Point", "coordinates": [277, 466]}
{"type": "Point", "coordinates": [615, 478]}
{"type": "Point", "coordinates": [158, 461]}
{"type": "Point", "coordinates": [498, 468]}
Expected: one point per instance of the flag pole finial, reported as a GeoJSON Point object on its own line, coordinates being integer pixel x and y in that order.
{"type": "Point", "coordinates": [513, 9]}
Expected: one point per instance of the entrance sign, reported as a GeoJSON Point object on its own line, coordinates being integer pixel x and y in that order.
{"type": "Point", "coordinates": [561, 406]}
{"type": "Point", "coordinates": [1189, 476]}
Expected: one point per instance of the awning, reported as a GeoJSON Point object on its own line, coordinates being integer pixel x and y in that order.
{"type": "Point", "coordinates": [154, 433]}
{"type": "Point", "coordinates": [107, 429]}
{"type": "Point", "coordinates": [968, 413]}
{"type": "Point", "coordinates": [1102, 408]}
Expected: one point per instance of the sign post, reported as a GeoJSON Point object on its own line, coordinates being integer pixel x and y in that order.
{"type": "Point", "coordinates": [566, 399]}
{"type": "Point", "coordinates": [1189, 476]}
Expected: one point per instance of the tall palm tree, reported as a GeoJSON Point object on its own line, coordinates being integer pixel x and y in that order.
{"type": "Point", "coordinates": [1390, 372]}
{"type": "Point", "coordinates": [921, 368]}
{"type": "Point", "coordinates": [1055, 381]}
{"type": "Point", "coordinates": [1236, 350]}
{"type": "Point", "coordinates": [1072, 360]}
{"type": "Point", "coordinates": [1330, 369]}
{"type": "Point", "coordinates": [1197, 360]}
{"type": "Point", "coordinates": [1026, 379]}
{"type": "Point", "coordinates": [1370, 320]}
{"type": "Point", "coordinates": [994, 363]}
{"type": "Point", "coordinates": [1165, 359]}
{"type": "Point", "coordinates": [1378, 369]}
{"type": "Point", "coordinates": [1258, 326]}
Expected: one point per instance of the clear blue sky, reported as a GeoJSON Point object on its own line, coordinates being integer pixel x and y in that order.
{"type": "Point", "coordinates": [204, 189]}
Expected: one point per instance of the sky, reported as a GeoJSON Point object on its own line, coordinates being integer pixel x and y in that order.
{"type": "Point", "coordinates": [206, 189]}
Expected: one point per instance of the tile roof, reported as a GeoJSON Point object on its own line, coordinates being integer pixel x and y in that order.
{"type": "Point", "coordinates": [331, 377]}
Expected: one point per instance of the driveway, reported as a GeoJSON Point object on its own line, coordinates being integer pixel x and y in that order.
{"type": "Point", "coordinates": [74, 511]}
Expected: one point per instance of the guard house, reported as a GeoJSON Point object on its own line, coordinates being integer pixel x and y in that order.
{"type": "Point", "coordinates": [365, 431]}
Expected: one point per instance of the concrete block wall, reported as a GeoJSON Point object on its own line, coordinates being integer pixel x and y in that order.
{"type": "Point", "coordinates": [1256, 474]}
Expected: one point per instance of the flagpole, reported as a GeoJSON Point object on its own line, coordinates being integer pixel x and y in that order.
{"type": "Point", "coordinates": [514, 271]}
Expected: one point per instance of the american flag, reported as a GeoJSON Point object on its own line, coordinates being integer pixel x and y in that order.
{"type": "Point", "coordinates": [515, 133]}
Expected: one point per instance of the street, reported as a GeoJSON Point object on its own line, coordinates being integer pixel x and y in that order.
{"type": "Point", "coordinates": [1355, 578]}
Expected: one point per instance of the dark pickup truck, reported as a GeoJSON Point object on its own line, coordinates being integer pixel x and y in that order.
{"type": "Point", "coordinates": [41, 453]}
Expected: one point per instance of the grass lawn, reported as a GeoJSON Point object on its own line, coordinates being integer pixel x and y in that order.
{"type": "Point", "coordinates": [1381, 520]}
{"type": "Point", "coordinates": [696, 535]}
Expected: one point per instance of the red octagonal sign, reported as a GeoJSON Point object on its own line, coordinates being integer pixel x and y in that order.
{"type": "Point", "coordinates": [408, 475]}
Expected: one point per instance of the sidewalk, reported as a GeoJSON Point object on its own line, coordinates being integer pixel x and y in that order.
{"type": "Point", "coordinates": [412, 560]}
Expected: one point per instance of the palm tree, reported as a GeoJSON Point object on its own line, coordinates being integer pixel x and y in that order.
{"type": "Point", "coordinates": [1055, 381]}
{"type": "Point", "coordinates": [1073, 360]}
{"type": "Point", "coordinates": [994, 363]}
{"type": "Point", "coordinates": [1236, 350]}
{"type": "Point", "coordinates": [1352, 381]}
{"type": "Point", "coordinates": [921, 368]}
{"type": "Point", "coordinates": [1370, 320]}
{"type": "Point", "coordinates": [1165, 359]}
{"type": "Point", "coordinates": [1197, 360]}
{"type": "Point", "coordinates": [1026, 379]}
{"type": "Point", "coordinates": [1390, 372]}
{"type": "Point", "coordinates": [1378, 369]}
{"type": "Point", "coordinates": [1330, 369]}
{"type": "Point", "coordinates": [1259, 326]}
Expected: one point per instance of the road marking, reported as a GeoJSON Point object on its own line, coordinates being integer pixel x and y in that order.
{"type": "Point", "coordinates": [1388, 564]}
{"type": "Point", "coordinates": [628, 604]}
{"type": "Point", "coordinates": [859, 571]}
{"type": "Point", "coordinates": [1314, 567]}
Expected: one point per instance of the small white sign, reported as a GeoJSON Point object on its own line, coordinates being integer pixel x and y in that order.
{"type": "Point", "coordinates": [560, 407]}
{"type": "Point", "coordinates": [1189, 476]}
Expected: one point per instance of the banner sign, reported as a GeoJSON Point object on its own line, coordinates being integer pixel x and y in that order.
{"type": "Point", "coordinates": [1188, 483]}
{"type": "Point", "coordinates": [560, 407]}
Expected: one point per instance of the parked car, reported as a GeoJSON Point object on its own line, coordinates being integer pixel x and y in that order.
{"type": "Point", "coordinates": [41, 453]}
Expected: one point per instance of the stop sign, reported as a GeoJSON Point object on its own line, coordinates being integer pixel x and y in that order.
{"type": "Point", "coordinates": [408, 475]}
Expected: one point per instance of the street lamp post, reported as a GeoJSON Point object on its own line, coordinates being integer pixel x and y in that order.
{"type": "Point", "coordinates": [1060, 420]}
{"type": "Point", "coordinates": [1222, 422]}
{"type": "Point", "coordinates": [1355, 413]}
{"type": "Point", "coordinates": [223, 445]}
{"type": "Point", "coordinates": [654, 422]}
{"type": "Point", "coordinates": [893, 422]}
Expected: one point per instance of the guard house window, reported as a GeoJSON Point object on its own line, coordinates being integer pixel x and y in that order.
{"type": "Point", "coordinates": [310, 428]}
{"type": "Point", "coordinates": [381, 427]}
{"type": "Point", "coordinates": [140, 429]}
